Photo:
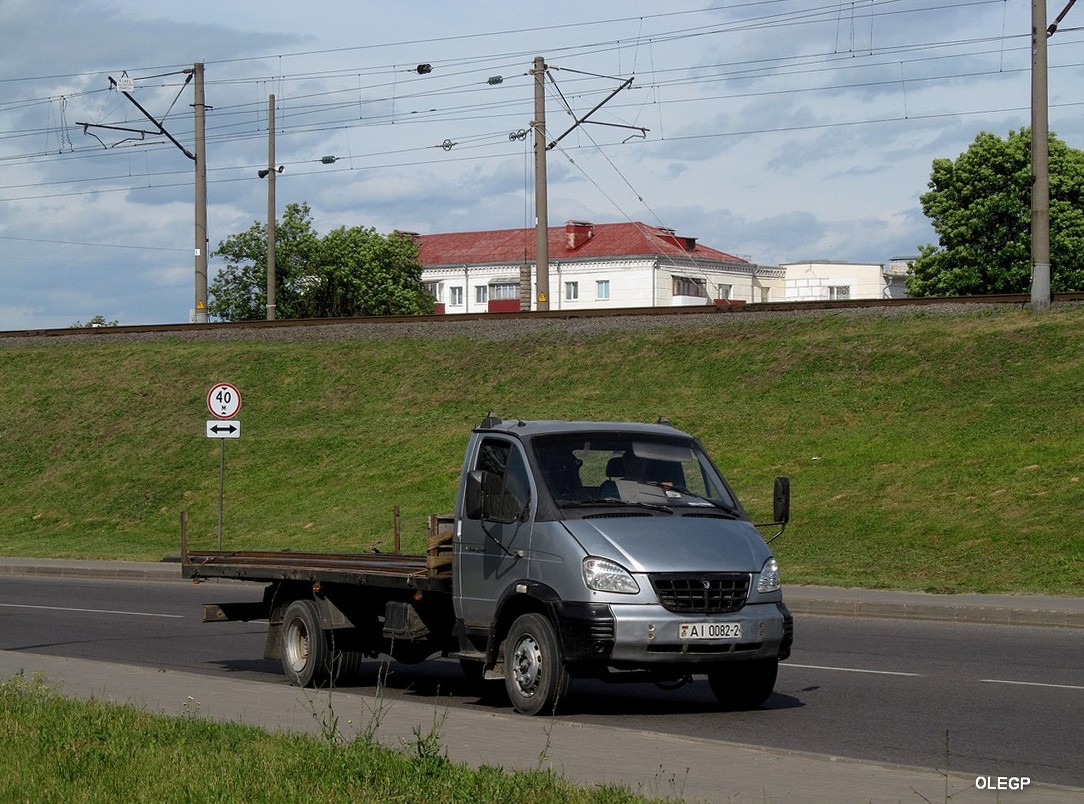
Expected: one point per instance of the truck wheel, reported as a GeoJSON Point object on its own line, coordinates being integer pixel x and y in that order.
{"type": "Point", "coordinates": [744, 685]}
{"type": "Point", "coordinates": [305, 654]}
{"type": "Point", "coordinates": [535, 675]}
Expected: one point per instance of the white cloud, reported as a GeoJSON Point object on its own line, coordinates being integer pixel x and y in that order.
{"type": "Point", "coordinates": [779, 131]}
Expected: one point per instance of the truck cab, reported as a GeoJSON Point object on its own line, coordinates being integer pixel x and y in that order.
{"type": "Point", "coordinates": [614, 551]}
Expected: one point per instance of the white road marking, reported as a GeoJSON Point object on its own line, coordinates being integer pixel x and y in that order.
{"type": "Point", "coordinates": [92, 611]}
{"type": "Point", "coordinates": [1030, 684]}
{"type": "Point", "coordinates": [919, 675]}
{"type": "Point", "coordinates": [850, 670]}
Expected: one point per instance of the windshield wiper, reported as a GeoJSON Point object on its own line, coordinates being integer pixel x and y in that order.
{"type": "Point", "coordinates": [681, 490]}
{"type": "Point", "coordinates": [667, 509]}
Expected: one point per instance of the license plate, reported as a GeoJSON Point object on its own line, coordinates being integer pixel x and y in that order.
{"type": "Point", "coordinates": [731, 631]}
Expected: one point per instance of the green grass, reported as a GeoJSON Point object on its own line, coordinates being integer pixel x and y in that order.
{"type": "Point", "coordinates": [925, 451]}
{"type": "Point", "coordinates": [57, 750]}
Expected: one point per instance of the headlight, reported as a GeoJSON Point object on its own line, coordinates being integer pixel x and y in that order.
{"type": "Point", "coordinates": [606, 576]}
{"type": "Point", "coordinates": [769, 577]}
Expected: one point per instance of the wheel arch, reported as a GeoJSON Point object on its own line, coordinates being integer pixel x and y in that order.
{"type": "Point", "coordinates": [522, 597]}
{"type": "Point", "coordinates": [277, 598]}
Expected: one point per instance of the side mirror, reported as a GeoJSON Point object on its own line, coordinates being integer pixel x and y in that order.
{"type": "Point", "coordinates": [472, 502]}
{"type": "Point", "coordinates": [781, 501]}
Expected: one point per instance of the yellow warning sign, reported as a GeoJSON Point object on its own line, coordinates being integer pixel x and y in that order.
{"type": "Point", "coordinates": [541, 298]}
{"type": "Point", "coordinates": [199, 304]}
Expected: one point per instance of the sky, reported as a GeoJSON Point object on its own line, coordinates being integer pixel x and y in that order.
{"type": "Point", "coordinates": [778, 130]}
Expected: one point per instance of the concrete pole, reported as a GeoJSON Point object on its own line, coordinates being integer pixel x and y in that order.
{"type": "Point", "coordinates": [541, 201]}
{"type": "Point", "coordinates": [1040, 162]}
{"type": "Point", "coordinates": [201, 197]}
{"type": "Point", "coordinates": [271, 207]}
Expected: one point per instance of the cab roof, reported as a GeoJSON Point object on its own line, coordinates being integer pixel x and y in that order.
{"type": "Point", "coordinates": [528, 429]}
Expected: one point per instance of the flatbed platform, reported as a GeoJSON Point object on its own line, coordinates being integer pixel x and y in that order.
{"type": "Point", "coordinates": [429, 572]}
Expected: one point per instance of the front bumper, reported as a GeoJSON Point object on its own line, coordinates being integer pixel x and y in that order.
{"type": "Point", "coordinates": [638, 636]}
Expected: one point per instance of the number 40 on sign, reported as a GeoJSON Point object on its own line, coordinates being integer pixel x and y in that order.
{"type": "Point", "coordinates": [223, 400]}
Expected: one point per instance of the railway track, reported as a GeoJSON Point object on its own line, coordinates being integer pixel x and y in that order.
{"type": "Point", "coordinates": [380, 321]}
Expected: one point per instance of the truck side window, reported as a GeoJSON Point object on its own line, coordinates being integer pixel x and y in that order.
{"type": "Point", "coordinates": [507, 482]}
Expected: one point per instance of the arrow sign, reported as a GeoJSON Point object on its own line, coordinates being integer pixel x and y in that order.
{"type": "Point", "coordinates": [224, 429]}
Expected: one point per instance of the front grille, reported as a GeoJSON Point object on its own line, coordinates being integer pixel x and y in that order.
{"type": "Point", "coordinates": [706, 593]}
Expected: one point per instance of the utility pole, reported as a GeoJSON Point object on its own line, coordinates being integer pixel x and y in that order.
{"type": "Point", "coordinates": [199, 158]}
{"type": "Point", "coordinates": [201, 196]}
{"type": "Point", "coordinates": [541, 201]}
{"type": "Point", "coordinates": [1040, 161]}
{"type": "Point", "coordinates": [270, 207]}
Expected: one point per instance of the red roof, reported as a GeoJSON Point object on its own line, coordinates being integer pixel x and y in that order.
{"type": "Point", "coordinates": [573, 240]}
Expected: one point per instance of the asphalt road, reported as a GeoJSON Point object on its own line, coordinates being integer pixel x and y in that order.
{"type": "Point", "coordinates": [982, 699]}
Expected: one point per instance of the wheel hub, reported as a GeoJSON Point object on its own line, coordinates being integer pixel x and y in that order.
{"type": "Point", "coordinates": [527, 666]}
{"type": "Point", "coordinates": [298, 647]}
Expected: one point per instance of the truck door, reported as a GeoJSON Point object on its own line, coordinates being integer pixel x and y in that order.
{"type": "Point", "coordinates": [492, 554]}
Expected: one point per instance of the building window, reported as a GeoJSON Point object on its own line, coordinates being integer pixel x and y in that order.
{"type": "Point", "coordinates": [839, 292]}
{"type": "Point", "coordinates": [602, 289]}
{"type": "Point", "coordinates": [725, 291]}
{"type": "Point", "coordinates": [688, 286]}
{"type": "Point", "coordinates": [433, 289]}
{"type": "Point", "coordinates": [481, 294]}
{"type": "Point", "coordinates": [455, 296]}
{"type": "Point", "coordinates": [504, 291]}
{"type": "Point", "coordinates": [572, 291]}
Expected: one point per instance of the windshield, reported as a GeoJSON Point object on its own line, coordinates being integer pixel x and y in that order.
{"type": "Point", "coordinates": [609, 468]}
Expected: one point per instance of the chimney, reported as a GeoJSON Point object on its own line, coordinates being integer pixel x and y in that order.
{"type": "Point", "coordinates": [681, 241]}
{"type": "Point", "coordinates": [577, 233]}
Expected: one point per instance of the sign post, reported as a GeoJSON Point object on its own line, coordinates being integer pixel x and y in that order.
{"type": "Point", "coordinates": [223, 401]}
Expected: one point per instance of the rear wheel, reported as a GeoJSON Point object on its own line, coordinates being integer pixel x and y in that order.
{"type": "Point", "coordinates": [535, 676]}
{"type": "Point", "coordinates": [744, 685]}
{"type": "Point", "coordinates": [309, 655]}
{"type": "Point", "coordinates": [305, 654]}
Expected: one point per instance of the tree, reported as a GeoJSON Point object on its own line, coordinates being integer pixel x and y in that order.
{"type": "Point", "coordinates": [239, 291]}
{"type": "Point", "coordinates": [980, 207]}
{"type": "Point", "coordinates": [364, 273]}
{"type": "Point", "coordinates": [350, 272]}
{"type": "Point", "coordinates": [97, 321]}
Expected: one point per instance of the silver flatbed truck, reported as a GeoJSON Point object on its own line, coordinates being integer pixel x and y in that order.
{"type": "Point", "coordinates": [576, 549]}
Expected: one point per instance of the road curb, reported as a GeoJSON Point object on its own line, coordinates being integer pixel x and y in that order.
{"type": "Point", "coordinates": [1026, 610]}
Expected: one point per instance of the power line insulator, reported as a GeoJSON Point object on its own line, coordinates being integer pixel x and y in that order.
{"type": "Point", "coordinates": [493, 80]}
{"type": "Point", "coordinates": [425, 69]}
{"type": "Point", "coordinates": [328, 160]}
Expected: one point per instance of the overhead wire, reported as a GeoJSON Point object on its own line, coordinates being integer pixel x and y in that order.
{"type": "Point", "coordinates": [228, 125]}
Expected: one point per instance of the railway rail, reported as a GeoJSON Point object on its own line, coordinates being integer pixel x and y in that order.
{"type": "Point", "coordinates": [386, 320]}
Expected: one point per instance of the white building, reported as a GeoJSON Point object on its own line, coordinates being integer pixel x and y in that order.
{"type": "Point", "coordinates": [840, 281]}
{"type": "Point", "coordinates": [592, 266]}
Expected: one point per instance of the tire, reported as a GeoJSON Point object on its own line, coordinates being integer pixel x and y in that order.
{"type": "Point", "coordinates": [306, 657]}
{"type": "Point", "coordinates": [535, 677]}
{"type": "Point", "coordinates": [744, 685]}
{"type": "Point", "coordinates": [347, 665]}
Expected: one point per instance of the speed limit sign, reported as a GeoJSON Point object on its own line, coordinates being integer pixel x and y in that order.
{"type": "Point", "coordinates": [223, 400]}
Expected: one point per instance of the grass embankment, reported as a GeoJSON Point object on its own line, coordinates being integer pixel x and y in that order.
{"type": "Point", "coordinates": [54, 749]}
{"type": "Point", "coordinates": [925, 451]}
